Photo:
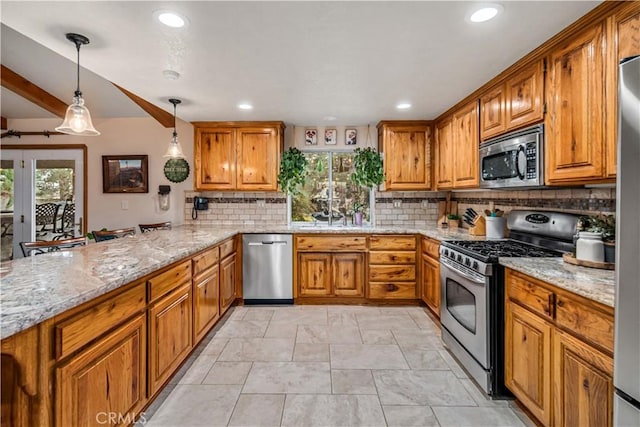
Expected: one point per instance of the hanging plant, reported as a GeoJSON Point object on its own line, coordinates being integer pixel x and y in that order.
{"type": "Point", "coordinates": [367, 167]}
{"type": "Point", "coordinates": [293, 171]}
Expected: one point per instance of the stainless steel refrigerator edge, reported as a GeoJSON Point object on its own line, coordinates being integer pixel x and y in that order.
{"type": "Point", "coordinates": [626, 373]}
{"type": "Point", "coordinates": [267, 268]}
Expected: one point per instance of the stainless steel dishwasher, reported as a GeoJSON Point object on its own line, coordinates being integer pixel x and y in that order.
{"type": "Point", "coordinates": [267, 268]}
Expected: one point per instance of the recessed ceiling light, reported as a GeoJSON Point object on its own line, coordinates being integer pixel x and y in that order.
{"type": "Point", "coordinates": [329, 118]}
{"type": "Point", "coordinates": [485, 12]}
{"type": "Point", "coordinates": [403, 106]}
{"type": "Point", "coordinates": [171, 19]}
{"type": "Point", "coordinates": [171, 74]}
{"type": "Point", "coordinates": [245, 106]}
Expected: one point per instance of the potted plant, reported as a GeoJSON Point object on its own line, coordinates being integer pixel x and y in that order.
{"type": "Point", "coordinates": [604, 225]}
{"type": "Point", "coordinates": [367, 172]}
{"type": "Point", "coordinates": [293, 171]}
{"type": "Point", "coordinates": [453, 220]}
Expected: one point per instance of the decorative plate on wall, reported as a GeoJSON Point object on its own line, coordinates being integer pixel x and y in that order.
{"type": "Point", "coordinates": [176, 170]}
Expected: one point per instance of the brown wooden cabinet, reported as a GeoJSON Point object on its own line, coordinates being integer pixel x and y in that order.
{"type": "Point", "coordinates": [323, 274]}
{"type": "Point", "coordinates": [623, 41]}
{"type": "Point", "coordinates": [558, 353]}
{"type": "Point", "coordinates": [228, 278]}
{"type": "Point", "coordinates": [348, 274]}
{"type": "Point", "coordinates": [206, 289]}
{"type": "Point", "coordinates": [444, 154]}
{"type": "Point", "coordinates": [106, 378]}
{"type": "Point", "coordinates": [430, 274]}
{"type": "Point", "coordinates": [392, 267]}
{"type": "Point", "coordinates": [406, 146]}
{"type": "Point", "coordinates": [582, 382]}
{"type": "Point", "coordinates": [466, 145]}
{"type": "Point", "coordinates": [514, 103]}
{"type": "Point", "coordinates": [241, 156]}
{"type": "Point", "coordinates": [314, 274]}
{"type": "Point", "coordinates": [170, 335]}
{"type": "Point", "coordinates": [528, 360]}
{"type": "Point", "coordinates": [574, 143]}
{"type": "Point", "coordinates": [457, 145]}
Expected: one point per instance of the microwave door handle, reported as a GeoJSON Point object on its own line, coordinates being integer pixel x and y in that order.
{"type": "Point", "coordinates": [521, 152]}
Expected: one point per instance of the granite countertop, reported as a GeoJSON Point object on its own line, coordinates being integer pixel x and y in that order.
{"type": "Point", "coordinates": [592, 283]}
{"type": "Point", "coordinates": [38, 288]}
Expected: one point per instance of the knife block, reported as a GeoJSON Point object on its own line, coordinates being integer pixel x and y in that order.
{"type": "Point", "coordinates": [479, 226]}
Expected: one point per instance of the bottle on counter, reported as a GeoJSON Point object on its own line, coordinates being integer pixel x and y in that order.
{"type": "Point", "coordinates": [589, 246]}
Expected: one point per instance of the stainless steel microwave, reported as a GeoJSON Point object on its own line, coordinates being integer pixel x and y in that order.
{"type": "Point", "coordinates": [513, 160]}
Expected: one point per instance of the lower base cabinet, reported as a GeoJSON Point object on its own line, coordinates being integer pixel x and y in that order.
{"type": "Point", "coordinates": [169, 335]}
{"type": "Point", "coordinates": [583, 384]}
{"type": "Point", "coordinates": [105, 379]}
{"type": "Point", "coordinates": [327, 275]}
{"type": "Point", "coordinates": [558, 353]}
{"type": "Point", "coordinates": [431, 283]}
{"type": "Point", "coordinates": [227, 282]}
{"type": "Point", "coordinates": [206, 308]}
{"type": "Point", "coordinates": [528, 360]}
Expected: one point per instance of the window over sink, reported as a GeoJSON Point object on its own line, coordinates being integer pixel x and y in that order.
{"type": "Point", "coordinates": [328, 188]}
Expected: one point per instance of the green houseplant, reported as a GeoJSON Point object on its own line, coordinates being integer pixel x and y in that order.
{"type": "Point", "coordinates": [293, 171]}
{"type": "Point", "coordinates": [367, 172]}
{"type": "Point", "coordinates": [453, 220]}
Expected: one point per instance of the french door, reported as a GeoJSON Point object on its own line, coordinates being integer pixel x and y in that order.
{"type": "Point", "coordinates": [42, 196]}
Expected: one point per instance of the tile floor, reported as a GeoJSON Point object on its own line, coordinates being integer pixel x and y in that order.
{"type": "Point", "coordinates": [326, 366]}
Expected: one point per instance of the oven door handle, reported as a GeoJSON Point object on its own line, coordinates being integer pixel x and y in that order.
{"type": "Point", "coordinates": [463, 274]}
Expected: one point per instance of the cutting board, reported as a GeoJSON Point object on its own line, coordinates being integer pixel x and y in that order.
{"type": "Point", "coordinates": [442, 207]}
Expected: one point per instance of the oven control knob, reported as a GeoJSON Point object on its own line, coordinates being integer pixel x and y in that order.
{"type": "Point", "coordinates": [475, 265]}
{"type": "Point", "coordinates": [459, 258]}
{"type": "Point", "coordinates": [446, 252]}
{"type": "Point", "coordinates": [467, 262]}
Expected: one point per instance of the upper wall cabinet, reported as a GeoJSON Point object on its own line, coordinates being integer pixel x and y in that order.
{"type": "Point", "coordinates": [241, 156]}
{"type": "Point", "coordinates": [624, 35]}
{"type": "Point", "coordinates": [515, 103]}
{"type": "Point", "coordinates": [575, 133]}
{"type": "Point", "coordinates": [457, 145]}
{"type": "Point", "coordinates": [407, 154]}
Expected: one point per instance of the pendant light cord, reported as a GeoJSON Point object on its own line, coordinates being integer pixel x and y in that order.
{"type": "Point", "coordinates": [78, 93]}
{"type": "Point", "coordinates": [175, 133]}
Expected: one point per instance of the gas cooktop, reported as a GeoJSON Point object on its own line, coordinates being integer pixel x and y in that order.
{"type": "Point", "coordinates": [491, 250]}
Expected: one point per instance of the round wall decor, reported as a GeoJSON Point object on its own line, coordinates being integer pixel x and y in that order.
{"type": "Point", "coordinates": [176, 170]}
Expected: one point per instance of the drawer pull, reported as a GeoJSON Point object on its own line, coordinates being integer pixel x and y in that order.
{"type": "Point", "coordinates": [391, 287]}
{"type": "Point", "coordinates": [560, 303]}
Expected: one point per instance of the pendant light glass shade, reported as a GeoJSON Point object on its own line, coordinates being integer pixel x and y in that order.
{"type": "Point", "coordinates": [77, 120]}
{"type": "Point", "coordinates": [175, 149]}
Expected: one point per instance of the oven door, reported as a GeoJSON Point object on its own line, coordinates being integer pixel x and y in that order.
{"type": "Point", "coordinates": [464, 310]}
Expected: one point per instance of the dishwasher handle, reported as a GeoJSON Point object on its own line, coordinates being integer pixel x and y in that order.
{"type": "Point", "coordinates": [267, 242]}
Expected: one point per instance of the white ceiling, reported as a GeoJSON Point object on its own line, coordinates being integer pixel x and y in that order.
{"type": "Point", "coordinates": [294, 61]}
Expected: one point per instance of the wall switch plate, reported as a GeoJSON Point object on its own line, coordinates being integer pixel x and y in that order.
{"type": "Point", "coordinates": [424, 204]}
{"type": "Point", "coordinates": [124, 204]}
{"type": "Point", "coordinates": [261, 203]}
{"type": "Point", "coordinates": [397, 203]}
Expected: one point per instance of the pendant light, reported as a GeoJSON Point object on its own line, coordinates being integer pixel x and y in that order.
{"type": "Point", "coordinates": [175, 149]}
{"type": "Point", "coordinates": [77, 120]}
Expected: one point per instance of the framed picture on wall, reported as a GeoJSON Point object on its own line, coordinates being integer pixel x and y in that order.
{"type": "Point", "coordinates": [125, 174]}
{"type": "Point", "coordinates": [331, 136]}
{"type": "Point", "coordinates": [311, 137]}
{"type": "Point", "coordinates": [351, 136]}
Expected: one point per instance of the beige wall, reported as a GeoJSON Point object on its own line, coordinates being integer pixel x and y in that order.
{"type": "Point", "coordinates": [121, 136]}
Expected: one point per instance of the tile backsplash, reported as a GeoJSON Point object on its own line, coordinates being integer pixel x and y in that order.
{"type": "Point", "coordinates": [402, 208]}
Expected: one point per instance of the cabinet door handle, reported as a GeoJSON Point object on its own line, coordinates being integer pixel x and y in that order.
{"type": "Point", "coordinates": [585, 384]}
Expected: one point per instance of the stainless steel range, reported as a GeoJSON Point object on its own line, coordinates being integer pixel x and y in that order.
{"type": "Point", "coordinates": [472, 314]}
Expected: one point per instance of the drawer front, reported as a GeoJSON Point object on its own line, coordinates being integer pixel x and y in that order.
{"type": "Point", "coordinates": [389, 243]}
{"type": "Point", "coordinates": [205, 260]}
{"type": "Point", "coordinates": [391, 290]}
{"type": "Point", "coordinates": [431, 247]}
{"type": "Point", "coordinates": [331, 243]}
{"type": "Point", "coordinates": [392, 257]}
{"type": "Point", "coordinates": [587, 322]}
{"type": "Point", "coordinates": [84, 327]}
{"type": "Point", "coordinates": [169, 280]}
{"type": "Point", "coordinates": [392, 273]}
{"type": "Point", "coordinates": [227, 248]}
{"type": "Point", "coordinates": [530, 294]}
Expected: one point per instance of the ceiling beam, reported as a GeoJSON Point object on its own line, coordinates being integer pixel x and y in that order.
{"type": "Point", "coordinates": [31, 92]}
{"type": "Point", "coordinates": [164, 118]}
{"type": "Point", "coordinates": [3, 123]}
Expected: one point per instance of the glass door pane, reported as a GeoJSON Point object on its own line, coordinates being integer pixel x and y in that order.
{"type": "Point", "coordinates": [55, 199]}
{"type": "Point", "coordinates": [7, 207]}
